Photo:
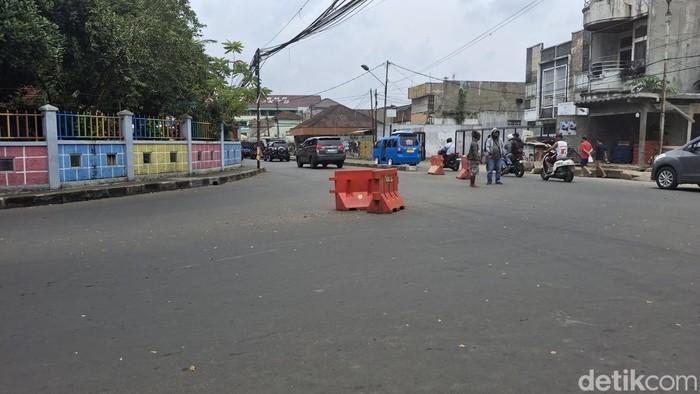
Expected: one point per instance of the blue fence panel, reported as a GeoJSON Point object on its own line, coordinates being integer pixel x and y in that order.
{"type": "Point", "coordinates": [84, 162]}
{"type": "Point", "coordinates": [232, 154]}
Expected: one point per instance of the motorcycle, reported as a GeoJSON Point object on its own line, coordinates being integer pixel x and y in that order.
{"type": "Point", "coordinates": [449, 161]}
{"type": "Point", "coordinates": [562, 169]}
{"type": "Point", "coordinates": [517, 167]}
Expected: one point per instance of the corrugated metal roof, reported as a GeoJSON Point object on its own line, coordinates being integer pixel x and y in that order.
{"type": "Point", "coordinates": [287, 102]}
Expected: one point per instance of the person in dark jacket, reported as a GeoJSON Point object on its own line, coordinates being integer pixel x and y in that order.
{"type": "Point", "coordinates": [473, 157]}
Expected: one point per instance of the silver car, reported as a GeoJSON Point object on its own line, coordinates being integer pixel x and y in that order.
{"type": "Point", "coordinates": [680, 165]}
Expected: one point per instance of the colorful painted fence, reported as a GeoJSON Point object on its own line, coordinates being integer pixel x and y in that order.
{"type": "Point", "coordinates": [24, 165]}
{"type": "Point", "coordinates": [21, 127]}
{"type": "Point", "coordinates": [88, 161]}
{"type": "Point", "coordinates": [54, 149]}
{"type": "Point", "coordinates": [154, 158]}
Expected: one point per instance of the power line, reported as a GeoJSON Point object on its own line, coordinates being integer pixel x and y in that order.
{"type": "Point", "coordinates": [487, 33]}
{"type": "Point", "coordinates": [288, 22]}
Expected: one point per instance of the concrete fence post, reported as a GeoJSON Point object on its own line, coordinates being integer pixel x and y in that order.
{"type": "Point", "coordinates": [186, 128]}
{"type": "Point", "coordinates": [223, 152]}
{"type": "Point", "coordinates": [49, 122]}
{"type": "Point", "coordinates": [126, 123]}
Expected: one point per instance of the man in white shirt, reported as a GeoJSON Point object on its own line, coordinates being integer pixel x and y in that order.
{"type": "Point", "coordinates": [561, 148]}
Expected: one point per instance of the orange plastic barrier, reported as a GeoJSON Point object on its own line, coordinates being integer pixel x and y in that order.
{"type": "Point", "coordinates": [384, 188]}
{"type": "Point", "coordinates": [352, 189]}
{"type": "Point", "coordinates": [436, 165]}
{"type": "Point", "coordinates": [465, 172]}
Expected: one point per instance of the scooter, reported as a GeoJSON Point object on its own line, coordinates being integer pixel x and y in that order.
{"type": "Point", "coordinates": [517, 167]}
{"type": "Point", "coordinates": [562, 169]}
{"type": "Point", "coordinates": [449, 161]}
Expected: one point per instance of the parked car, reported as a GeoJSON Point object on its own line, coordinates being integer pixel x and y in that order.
{"type": "Point", "coordinates": [321, 150]}
{"type": "Point", "coordinates": [276, 150]}
{"type": "Point", "coordinates": [680, 165]}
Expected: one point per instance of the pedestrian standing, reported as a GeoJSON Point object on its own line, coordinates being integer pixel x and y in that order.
{"type": "Point", "coordinates": [494, 152]}
{"type": "Point", "coordinates": [586, 151]}
{"type": "Point", "coordinates": [473, 157]}
{"type": "Point", "coordinates": [601, 153]}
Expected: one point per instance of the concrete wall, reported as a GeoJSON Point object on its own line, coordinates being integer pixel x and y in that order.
{"type": "Point", "coordinates": [683, 44]}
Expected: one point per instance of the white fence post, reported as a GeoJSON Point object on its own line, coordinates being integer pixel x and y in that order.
{"type": "Point", "coordinates": [127, 129]}
{"type": "Point", "coordinates": [223, 152]}
{"type": "Point", "coordinates": [49, 122]}
{"type": "Point", "coordinates": [186, 129]}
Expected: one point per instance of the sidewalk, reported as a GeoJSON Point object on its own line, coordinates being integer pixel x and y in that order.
{"type": "Point", "coordinates": [120, 189]}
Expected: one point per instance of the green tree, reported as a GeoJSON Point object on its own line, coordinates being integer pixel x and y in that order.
{"type": "Point", "coordinates": [30, 52]}
{"type": "Point", "coordinates": [108, 55]}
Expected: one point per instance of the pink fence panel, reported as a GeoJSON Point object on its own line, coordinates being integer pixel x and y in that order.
{"type": "Point", "coordinates": [205, 156]}
{"type": "Point", "coordinates": [25, 166]}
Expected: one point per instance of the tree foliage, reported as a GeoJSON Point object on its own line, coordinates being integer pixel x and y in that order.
{"type": "Point", "coordinates": [650, 84]}
{"type": "Point", "coordinates": [142, 55]}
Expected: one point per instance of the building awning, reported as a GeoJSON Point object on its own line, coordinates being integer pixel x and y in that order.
{"type": "Point", "coordinates": [674, 108]}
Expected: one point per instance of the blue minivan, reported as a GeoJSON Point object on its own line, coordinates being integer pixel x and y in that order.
{"type": "Point", "coordinates": [401, 147]}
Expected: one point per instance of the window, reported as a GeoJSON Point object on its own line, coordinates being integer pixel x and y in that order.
{"type": "Point", "coordinates": [199, 155]}
{"type": "Point", "coordinates": [173, 157]}
{"type": "Point", "coordinates": [146, 157]}
{"type": "Point", "coordinates": [554, 89]}
{"type": "Point", "coordinates": [212, 155]}
{"type": "Point", "coordinates": [625, 51]}
{"type": "Point", "coordinates": [410, 140]}
{"type": "Point", "coordinates": [75, 160]}
{"type": "Point", "coordinates": [640, 32]}
{"type": "Point", "coordinates": [530, 90]}
{"type": "Point", "coordinates": [111, 159]}
{"type": "Point", "coordinates": [7, 164]}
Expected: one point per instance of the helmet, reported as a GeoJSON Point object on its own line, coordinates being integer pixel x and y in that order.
{"type": "Point", "coordinates": [510, 136]}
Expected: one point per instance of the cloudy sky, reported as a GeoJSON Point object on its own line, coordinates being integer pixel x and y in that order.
{"type": "Point", "coordinates": [461, 39]}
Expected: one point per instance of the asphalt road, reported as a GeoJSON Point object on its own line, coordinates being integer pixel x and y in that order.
{"type": "Point", "coordinates": [262, 286]}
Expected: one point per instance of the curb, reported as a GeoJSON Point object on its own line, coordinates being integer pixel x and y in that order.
{"type": "Point", "coordinates": [65, 196]}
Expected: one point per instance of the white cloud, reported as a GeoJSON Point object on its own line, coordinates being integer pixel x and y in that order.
{"type": "Point", "coordinates": [410, 33]}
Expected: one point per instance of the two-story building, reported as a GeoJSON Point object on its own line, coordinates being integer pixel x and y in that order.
{"type": "Point", "coordinates": [607, 81]}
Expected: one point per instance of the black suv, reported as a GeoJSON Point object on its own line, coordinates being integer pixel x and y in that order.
{"type": "Point", "coordinates": [321, 150]}
{"type": "Point", "coordinates": [276, 150]}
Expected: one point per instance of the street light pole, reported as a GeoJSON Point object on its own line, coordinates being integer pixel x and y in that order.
{"type": "Point", "coordinates": [386, 84]}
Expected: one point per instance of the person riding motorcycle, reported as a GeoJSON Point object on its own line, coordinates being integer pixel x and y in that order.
{"type": "Point", "coordinates": [561, 150]}
{"type": "Point", "coordinates": [449, 148]}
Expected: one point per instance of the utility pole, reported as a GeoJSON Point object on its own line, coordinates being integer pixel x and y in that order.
{"type": "Point", "coordinates": [376, 112]}
{"type": "Point", "coordinates": [386, 84]}
{"type": "Point", "coordinates": [257, 112]}
{"type": "Point", "coordinates": [374, 120]}
{"type": "Point", "coordinates": [662, 117]}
